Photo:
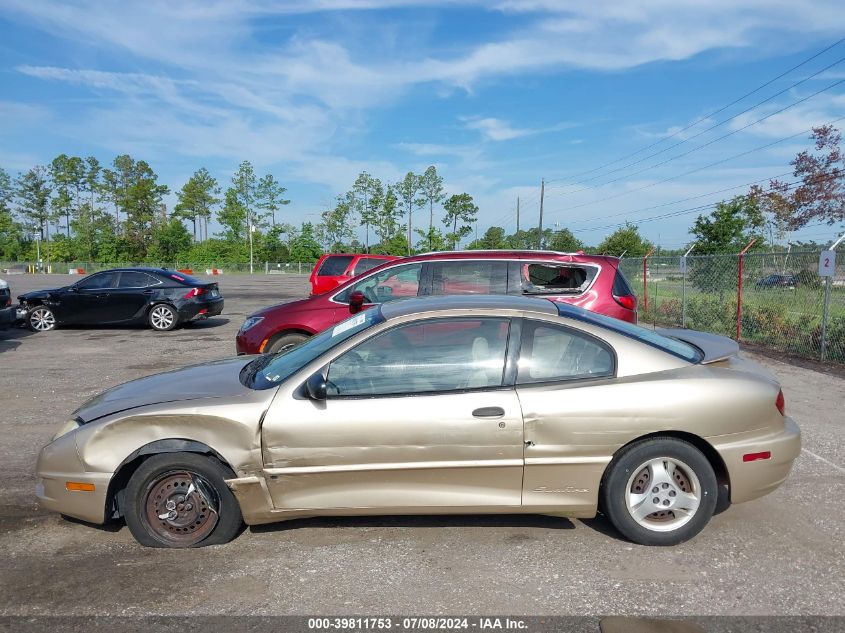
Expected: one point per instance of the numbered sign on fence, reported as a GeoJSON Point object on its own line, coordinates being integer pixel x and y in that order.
{"type": "Point", "coordinates": [827, 263]}
{"type": "Point", "coordinates": [683, 263]}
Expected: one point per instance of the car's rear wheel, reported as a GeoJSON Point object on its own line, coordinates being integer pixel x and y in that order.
{"type": "Point", "coordinates": [163, 317]}
{"type": "Point", "coordinates": [181, 500]}
{"type": "Point", "coordinates": [285, 342]}
{"type": "Point", "coordinates": [660, 491]}
{"type": "Point", "coordinates": [41, 319]}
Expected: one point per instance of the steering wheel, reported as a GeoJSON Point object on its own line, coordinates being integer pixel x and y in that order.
{"type": "Point", "coordinates": [369, 294]}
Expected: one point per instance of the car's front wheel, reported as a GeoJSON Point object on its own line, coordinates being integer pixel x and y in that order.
{"type": "Point", "coordinates": [181, 500]}
{"type": "Point", "coordinates": [285, 342]}
{"type": "Point", "coordinates": [163, 317]}
{"type": "Point", "coordinates": [660, 491]}
{"type": "Point", "coordinates": [41, 319]}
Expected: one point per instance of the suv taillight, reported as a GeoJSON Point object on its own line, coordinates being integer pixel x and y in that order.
{"type": "Point", "coordinates": [626, 301]}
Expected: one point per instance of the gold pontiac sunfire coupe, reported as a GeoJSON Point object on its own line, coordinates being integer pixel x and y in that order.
{"type": "Point", "coordinates": [438, 405]}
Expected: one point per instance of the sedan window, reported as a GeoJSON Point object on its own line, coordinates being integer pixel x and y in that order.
{"type": "Point", "coordinates": [394, 283]}
{"type": "Point", "coordinates": [436, 355]}
{"type": "Point", "coordinates": [136, 279]}
{"type": "Point", "coordinates": [100, 280]}
{"type": "Point", "coordinates": [552, 352]}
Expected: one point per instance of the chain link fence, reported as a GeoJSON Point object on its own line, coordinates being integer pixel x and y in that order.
{"type": "Point", "coordinates": [775, 300]}
{"type": "Point", "coordinates": [85, 268]}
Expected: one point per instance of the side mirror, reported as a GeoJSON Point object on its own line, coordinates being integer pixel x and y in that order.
{"type": "Point", "coordinates": [74, 288]}
{"type": "Point", "coordinates": [356, 302]}
{"type": "Point", "coordinates": [315, 386]}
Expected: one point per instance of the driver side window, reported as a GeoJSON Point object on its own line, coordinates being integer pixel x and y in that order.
{"type": "Point", "coordinates": [432, 356]}
{"type": "Point", "coordinates": [394, 283]}
{"type": "Point", "coordinates": [100, 280]}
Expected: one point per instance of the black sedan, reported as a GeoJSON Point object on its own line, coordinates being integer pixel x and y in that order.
{"type": "Point", "coordinates": [778, 281]}
{"type": "Point", "coordinates": [159, 297]}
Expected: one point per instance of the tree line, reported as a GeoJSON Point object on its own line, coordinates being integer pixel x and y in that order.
{"type": "Point", "coordinates": [76, 209]}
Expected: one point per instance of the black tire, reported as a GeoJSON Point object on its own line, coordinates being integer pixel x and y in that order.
{"type": "Point", "coordinates": [163, 317]}
{"type": "Point", "coordinates": [629, 471]}
{"type": "Point", "coordinates": [286, 341]}
{"type": "Point", "coordinates": [41, 319]}
{"type": "Point", "coordinates": [156, 483]}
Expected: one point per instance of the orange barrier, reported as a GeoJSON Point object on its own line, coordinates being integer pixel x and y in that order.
{"type": "Point", "coordinates": [213, 271]}
{"type": "Point", "coordinates": [75, 271]}
{"type": "Point", "coordinates": [185, 271]}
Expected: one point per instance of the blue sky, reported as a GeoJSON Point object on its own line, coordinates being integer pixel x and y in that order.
{"type": "Point", "coordinates": [497, 94]}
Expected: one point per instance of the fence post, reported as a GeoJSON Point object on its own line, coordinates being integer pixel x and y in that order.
{"type": "Point", "coordinates": [684, 286]}
{"type": "Point", "coordinates": [645, 280]}
{"type": "Point", "coordinates": [739, 291]}
{"type": "Point", "coordinates": [826, 311]}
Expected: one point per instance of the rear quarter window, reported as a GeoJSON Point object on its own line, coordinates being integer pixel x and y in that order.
{"type": "Point", "coordinates": [553, 278]}
{"type": "Point", "coordinates": [334, 266]}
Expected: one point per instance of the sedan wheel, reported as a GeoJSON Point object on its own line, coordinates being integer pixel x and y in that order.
{"type": "Point", "coordinates": [41, 319]}
{"type": "Point", "coordinates": [661, 491]}
{"type": "Point", "coordinates": [163, 317]}
{"type": "Point", "coordinates": [181, 500]}
{"type": "Point", "coordinates": [286, 342]}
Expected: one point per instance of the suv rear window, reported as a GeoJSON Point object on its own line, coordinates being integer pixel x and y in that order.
{"type": "Point", "coordinates": [552, 278]}
{"type": "Point", "coordinates": [334, 266]}
{"type": "Point", "coordinates": [367, 263]}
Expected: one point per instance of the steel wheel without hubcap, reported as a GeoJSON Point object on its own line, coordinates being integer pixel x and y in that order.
{"type": "Point", "coordinates": [162, 317]}
{"type": "Point", "coordinates": [181, 508]}
{"type": "Point", "coordinates": [663, 494]}
{"type": "Point", "coordinates": [42, 319]}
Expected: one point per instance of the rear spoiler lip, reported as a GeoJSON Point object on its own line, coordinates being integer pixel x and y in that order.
{"type": "Point", "coordinates": [713, 347]}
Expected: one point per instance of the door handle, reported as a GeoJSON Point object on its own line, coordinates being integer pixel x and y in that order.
{"type": "Point", "coordinates": [148, 292]}
{"type": "Point", "coordinates": [489, 412]}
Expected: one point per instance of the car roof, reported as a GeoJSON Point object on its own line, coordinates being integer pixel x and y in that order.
{"type": "Point", "coordinates": [402, 307]}
{"type": "Point", "coordinates": [511, 254]}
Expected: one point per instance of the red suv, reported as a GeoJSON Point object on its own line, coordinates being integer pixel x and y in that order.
{"type": "Point", "coordinates": [589, 281]}
{"type": "Point", "coordinates": [332, 270]}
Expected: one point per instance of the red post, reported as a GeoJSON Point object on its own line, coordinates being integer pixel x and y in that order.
{"type": "Point", "coordinates": [645, 279]}
{"type": "Point", "coordinates": [739, 291]}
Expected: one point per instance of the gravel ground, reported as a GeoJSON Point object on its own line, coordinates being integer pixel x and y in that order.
{"type": "Point", "coordinates": [780, 555]}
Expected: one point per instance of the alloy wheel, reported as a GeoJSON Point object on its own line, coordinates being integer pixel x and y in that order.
{"type": "Point", "coordinates": [663, 494]}
{"type": "Point", "coordinates": [161, 317]}
{"type": "Point", "coordinates": [42, 319]}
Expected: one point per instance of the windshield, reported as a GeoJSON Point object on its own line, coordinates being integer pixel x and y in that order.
{"type": "Point", "coordinates": [271, 370]}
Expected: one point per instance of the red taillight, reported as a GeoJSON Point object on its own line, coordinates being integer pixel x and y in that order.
{"type": "Point", "coordinates": [626, 301]}
{"type": "Point", "coordinates": [753, 457]}
{"type": "Point", "coordinates": [780, 403]}
{"type": "Point", "coordinates": [194, 292]}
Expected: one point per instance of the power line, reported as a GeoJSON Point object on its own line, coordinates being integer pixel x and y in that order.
{"type": "Point", "coordinates": [703, 195]}
{"type": "Point", "coordinates": [689, 210]}
{"type": "Point", "coordinates": [705, 117]}
{"type": "Point", "coordinates": [713, 127]}
{"type": "Point", "coordinates": [693, 171]}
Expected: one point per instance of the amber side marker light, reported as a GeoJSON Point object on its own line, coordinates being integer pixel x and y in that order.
{"type": "Point", "coordinates": [79, 486]}
{"type": "Point", "coordinates": [753, 457]}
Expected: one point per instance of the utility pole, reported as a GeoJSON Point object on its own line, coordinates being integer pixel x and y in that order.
{"type": "Point", "coordinates": [517, 214]}
{"type": "Point", "coordinates": [542, 195]}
